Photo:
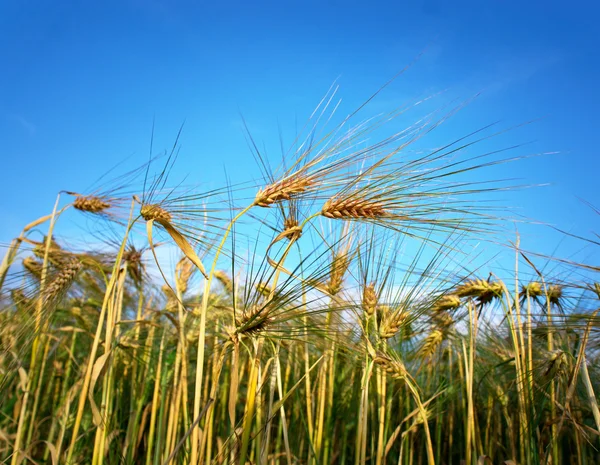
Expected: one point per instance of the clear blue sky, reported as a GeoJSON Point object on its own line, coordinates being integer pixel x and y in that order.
{"type": "Point", "coordinates": [81, 83]}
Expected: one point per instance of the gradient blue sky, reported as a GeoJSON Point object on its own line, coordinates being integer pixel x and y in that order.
{"type": "Point", "coordinates": [81, 83]}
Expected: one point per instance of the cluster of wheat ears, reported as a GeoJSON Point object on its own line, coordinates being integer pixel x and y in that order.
{"type": "Point", "coordinates": [330, 317]}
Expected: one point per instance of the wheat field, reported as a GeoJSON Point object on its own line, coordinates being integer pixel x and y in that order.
{"type": "Point", "coordinates": [328, 311]}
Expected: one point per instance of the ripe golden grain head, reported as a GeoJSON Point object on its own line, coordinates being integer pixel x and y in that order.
{"type": "Point", "coordinates": [56, 255]}
{"type": "Point", "coordinates": [291, 228]}
{"type": "Point", "coordinates": [284, 189]}
{"type": "Point", "coordinates": [153, 211]}
{"type": "Point", "coordinates": [33, 267]}
{"type": "Point", "coordinates": [264, 289]}
{"type": "Point", "coordinates": [91, 204]}
{"type": "Point", "coordinates": [596, 288]}
{"type": "Point", "coordinates": [369, 299]}
{"type": "Point", "coordinates": [446, 302]}
{"type": "Point", "coordinates": [555, 293]}
{"type": "Point", "coordinates": [63, 280]}
{"type": "Point", "coordinates": [431, 343]}
{"type": "Point", "coordinates": [484, 291]}
{"type": "Point", "coordinates": [253, 320]}
{"type": "Point", "coordinates": [185, 269]}
{"type": "Point", "coordinates": [351, 208]}
{"type": "Point", "coordinates": [224, 279]}
{"type": "Point", "coordinates": [394, 368]}
{"type": "Point", "coordinates": [19, 298]}
{"type": "Point", "coordinates": [171, 304]}
{"type": "Point", "coordinates": [534, 289]}
{"type": "Point", "coordinates": [339, 266]}
{"type": "Point", "coordinates": [135, 265]}
{"type": "Point", "coordinates": [443, 319]}
{"type": "Point", "coordinates": [391, 323]}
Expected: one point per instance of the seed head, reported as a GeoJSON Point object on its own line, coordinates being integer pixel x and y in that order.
{"type": "Point", "coordinates": [339, 266]}
{"type": "Point", "coordinates": [446, 302]}
{"type": "Point", "coordinates": [483, 290]}
{"type": "Point", "coordinates": [284, 189]}
{"type": "Point", "coordinates": [350, 208]}
{"type": "Point", "coordinates": [224, 279]}
{"type": "Point", "coordinates": [432, 342]}
{"type": "Point", "coordinates": [291, 229]}
{"type": "Point", "coordinates": [395, 368]}
{"type": "Point", "coordinates": [264, 289]}
{"type": "Point", "coordinates": [63, 280]}
{"type": "Point", "coordinates": [369, 299]}
{"type": "Point", "coordinates": [154, 211]}
{"type": "Point", "coordinates": [534, 289]}
{"type": "Point", "coordinates": [555, 293]}
{"type": "Point", "coordinates": [91, 204]}
{"type": "Point", "coordinates": [391, 324]}
{"type": "Point", "coordinates": [33, 266]}
{"type": "Point", "coordinates": [253, 320]}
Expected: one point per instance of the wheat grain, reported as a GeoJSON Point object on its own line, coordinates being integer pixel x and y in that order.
{"type": "Point", "coordinates": [155, 212]}
{"type": "Point", "coordinates": [446, 302]}
{"type": "Point", "coordinates": [349, 209]}
{"type": "Point", "coordinates": [63, 280]}
{"type": "Point", "coordinates": [391, 323]}
{"type": "Point", "coordinates": [369, 299]}
{"type": "Point", "coordinates": [284, 189]}
{"type": "Point", "coordinates": [91, 204]}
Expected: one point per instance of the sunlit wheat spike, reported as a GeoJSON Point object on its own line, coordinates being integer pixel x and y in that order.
{"type": "Point", "coordinates": [57, 256]}
{"type": "Point", "coordinates": [483, 290]}
{"type": "Point", "coordinates": [556, 364]}
{"type": "Point", "coordinates": [63, 280]}
{"type": "Point", "coordinates": [443, 319]}
{"type": "Point", "coordinates": [391, 323]}
{"type": "Point", "coordinates": [185, 269]}
{"type": "Point", "coordinates": [153, 211]}
{"type": "Point", "coordinates": [351, 208]}
{"type": "Point", "coordinates": [596, 289]}
{"type": "Point", "coordinates": [19, 298]}
{"type": "Point", "coordinates": [264, 289]}
{"type": "Point", "coordinates": [555, 293]}
{"type": "Point", "coordinates": [135, 265]}
{"type": "Point", "coordinates": [533, 289]}
{"type": "Point", "coordinates": [91, 204]}
{"type": "Point", "coordinates": [431, 343]}
{"type": "Point", "coordinates": [171, 303]}
{"type": "Point", "coordinates": [446, 302]}
{"type": "Point", "coordinates": [369, 299]}
{"type": "Point", "coordinates": [394, 368]}
{"type": "Point", "coordinates": [224, 279]}
{"type": "Point", "coordinates": [284, 189]}
{"type": "Point", "coordinates": [339, 266]}
{"type": "Point", "coordinates": [291, 229]}
{"type": "Point", "coordinates": [33, 267]}
{"type": "Point", "coordinates": [253, 320]}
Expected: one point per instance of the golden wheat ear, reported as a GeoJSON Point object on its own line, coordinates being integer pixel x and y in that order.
{"type": "Point", "coordinates": [154, 213]}
{"type": "Point", "coordinates": [91, 203]}
{"type": "Point", "coordinates": [348, 208]}
{"type": "Point", "coordinates": [284, 189]}
{"type": "Point", "coordinates": [63, 280]}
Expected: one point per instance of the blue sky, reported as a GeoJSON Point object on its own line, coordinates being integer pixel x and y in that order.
{"type": "Point", "coordinates": [82, 82]}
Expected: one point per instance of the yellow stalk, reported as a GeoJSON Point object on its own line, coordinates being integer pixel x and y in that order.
{"type": "Point", "coordinates": [92, 357]}
{"type": "Point", "coordinates": [201, 338]}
